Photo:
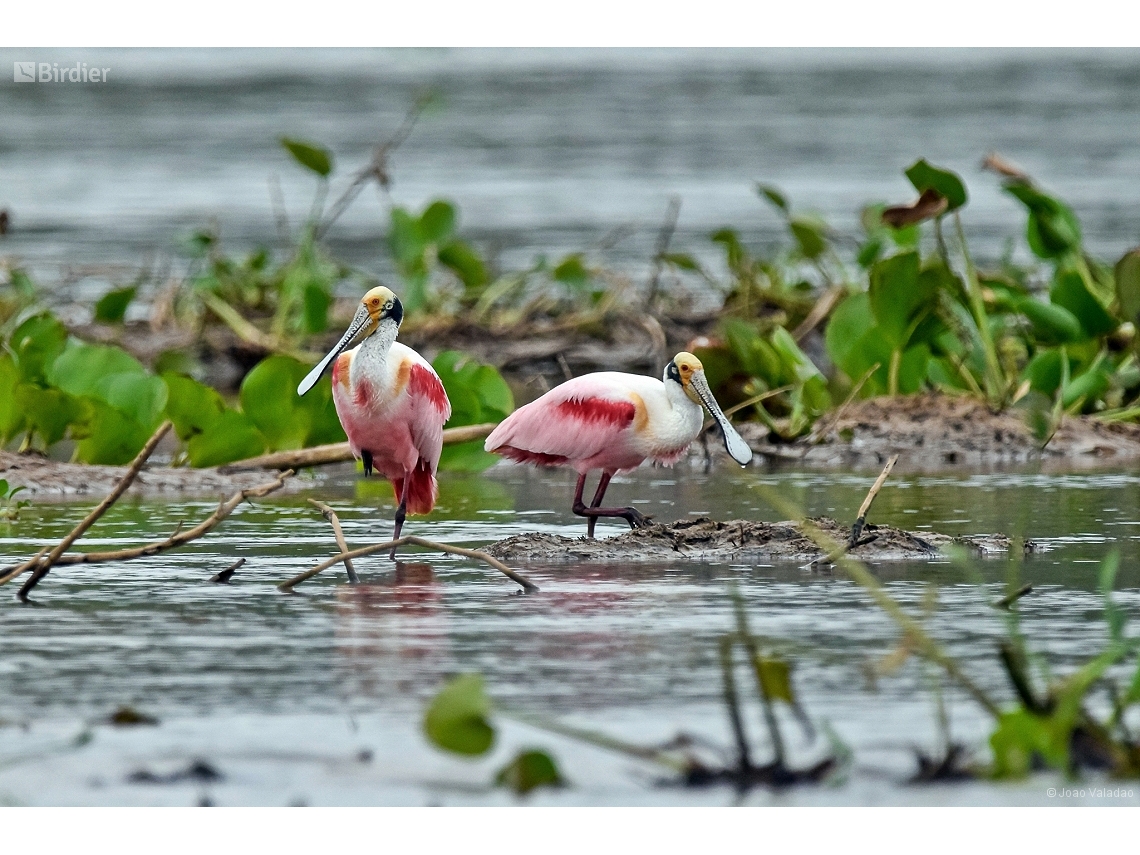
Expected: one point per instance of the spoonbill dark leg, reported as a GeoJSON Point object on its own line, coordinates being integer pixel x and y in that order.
{"type": "Point", "coordinates": [631, 515]}
{"type": "Point", "coordinates": [401, 514]}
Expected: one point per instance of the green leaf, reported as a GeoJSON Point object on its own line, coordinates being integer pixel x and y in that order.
{"type": "Point", "coordinates": [849, 322]}
{"type": "Point", "coordinates": [895, 295]}
{"type": "Point", "coordinates": [437, 222]}
{"type": "Point", "coordinates": [193, 407]}
{"type": "Point", "coordinates": [774, 196]}
{"type": "Point", "coordinates": [456, 719]}
{"type": "Point", "coordinates": [681, 260]}
{"type": "Point", "coordinates": [107, 435]}
{"type": "Point", "coordinates": [945, 183]}
{"type": "Point", "coordinates": [315, 312]}
{"type": "Point", "coordinates": [775, 676]}
{"type": "Point", "coordinates": [1052, 228]}
{"type": "Point", "coordinates": [11, 417]}
{"type": "Point", "coordinates": [270, 401]}
{"type": "Point", "coordinates": [1020, 736]}
{"type": "Point", "coordinates": [231, 437]}
{"type": "Point", "coordinates": [528, 771]}
{"type": "Point", "coordinates": [1069, 292]}
{"type": "Point", "coordinates": [35, 344]}
{"type": "Point", "coordinates": [310, 156]}
{"type": "Point", "coordinates": [734, 251]}
{"type": "Point", "coordinates": [112, 306]}
{"type": "Point", "coordinates": [572, 271]}
{"type": "Point", "coordinates": [1051, 324]}
{"type": "Point", "coordinates": [1127, 275]}
{"type": "Point", "coordinates": [810, 234]}
{"type": "Point", "coordinates": [406, 238]}
{"type": "Point", "coordinates": [465, 263]}
{"type": "Point", "coordinates": [47, 412]}
{"type": "Point", "coordinates": [466, 457]}
{"type": "Point", "coordinates": [87, 369]}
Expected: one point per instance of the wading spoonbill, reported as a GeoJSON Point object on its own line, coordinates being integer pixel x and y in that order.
{"type": "Point", "coordinates": [390, 401]}
{"type": "Point", "coordinates": [613, 421]}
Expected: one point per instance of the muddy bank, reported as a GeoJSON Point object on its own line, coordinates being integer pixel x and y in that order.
{"type": "Point", "coordinates": [936, 432]}
{"type": "Point", "coordinates": [703, 539]}
{"type": "Point", "coordinates": [47, 479]}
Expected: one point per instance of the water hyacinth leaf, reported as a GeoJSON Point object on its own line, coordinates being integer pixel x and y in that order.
{"type": "Point", "coordinates": [774, 196]}
{"type": "Point", "coordinates": [1069, 292]}
{"type": "Point", "coordinates": [528, 771]}
{"type": "Point", "coordinates": [1052, 228]}
{"type": "Point", "coordinates": [775, 677]}
{"type": "Point", "coordinates": [462, 260]}
{"type": "Point", "coordinates": [1044, 371]}
{"type": "Point", "coordinates": [947, 184]}
{"type": "Point", "coordinates": [478, 393]}
{"type": "Point", "coordinates": [316, 300]}
{"type": "Point", "coordinates": [193, 407]}
{"type": "Point", "coordinates": [142, 397]}
{"type": "Point", "coordinates": [11, 417]}
{"type": "Point", "coordinates": [733, 248]}
{"type": "Point", "coordinates": [456, 719]}
{"type": "Point", "coordinates": [850, 320]}
{"type": "Point", "coordinates": [572, 271]}
{"type": "Point", "coordinates": [754, 355]}
{"type": "Point", "coordinates": [437, 222]}
{"type": "Point", "coordinates": [405, 237]}
{"type": "Point", "coordinates": [810, 234]}
{"type": "Point", "coordinates": [1022, 736]}
{"type": "Point", "coordinates": [230, 437]}
{"type": "Point", "coordinates": [310, 156]}
{"type": "Point", "coordinates": [112, 306]}
{"type": "Point", "coordinates": [1051, 324]}
{"type": "Point", "coordinates": [107, 435]}
{"type": "Point", "coordinates": [86, 369]}
{"type": "Point", "coordinates": [1090, 385]}
{"type": "Point", "coordinates": [895, 295]}
{"type": "Point", "coordinates": [1127, 275]}
{"type": "Point", "coordinates": [270, 401]}
{"type": "Point", "coordinates": [47, 412]}
{"type": "Point", "coordinates": [36, 343]}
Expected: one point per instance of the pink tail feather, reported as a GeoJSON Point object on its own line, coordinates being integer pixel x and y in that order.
{"type": "Point", "coordinates": [422, 489]}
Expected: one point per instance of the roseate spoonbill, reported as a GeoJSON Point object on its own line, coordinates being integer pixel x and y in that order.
{"type": "Point", "coordinates": [390, 401]}
{"type": "Point", "coordinates": [613, 421]}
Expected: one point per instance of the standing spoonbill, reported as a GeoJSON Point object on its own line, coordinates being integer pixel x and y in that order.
{"type": "Point", "coordinates": [390, 401]}
{"type": "Point", "coordinates": [613, 421]}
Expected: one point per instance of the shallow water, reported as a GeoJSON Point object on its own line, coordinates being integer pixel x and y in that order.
{"type": "Point", "coordinates": [281, 694]}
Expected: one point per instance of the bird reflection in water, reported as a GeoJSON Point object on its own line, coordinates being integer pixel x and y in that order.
{"type": "Point", "coordinates": [392, 636]}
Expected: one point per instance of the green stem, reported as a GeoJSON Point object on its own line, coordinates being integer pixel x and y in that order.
{"type": "Point", "coordinates": [995, 387]}
{"type": "Point", "coordinates": [893, 372]}
{"type": "Point", "coordinates": [753, 652]}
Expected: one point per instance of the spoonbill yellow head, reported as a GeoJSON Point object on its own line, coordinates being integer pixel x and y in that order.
{"type": "Point", "coordinates": [687, 370]}
{"type": "Point", "coordinates": [377, 307]}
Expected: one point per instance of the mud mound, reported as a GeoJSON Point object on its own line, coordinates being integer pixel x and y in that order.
{"type": "Point", "coordinates": [703, 539]}
{"type": "Point", "coordinates": [45, 479]}
{"type": "Point", "coordinates": [938, 432]}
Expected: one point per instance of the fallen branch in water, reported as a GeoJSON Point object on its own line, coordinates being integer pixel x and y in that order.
{"type": "Point", "coordinates": [41, 564]}
{"type": "Point", "coordinates": [864, 509]}
{"type": "Point", "coordinates": [223, 578]}
{"type": "Point", "coordinates": [409, 540]}
{"type": "Point", "coordinates": [339, 452]}
{"type": "Point", "coordinates": [178, 538]}
{"type": "Point", "coordinates": [338, 533]}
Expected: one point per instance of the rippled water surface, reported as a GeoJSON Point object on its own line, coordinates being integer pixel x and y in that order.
{"type": "Point", "coordinates": [317, 697]}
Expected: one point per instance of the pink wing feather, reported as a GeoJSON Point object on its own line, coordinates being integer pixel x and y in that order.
{"type": "Point", "coordinates": [576, 421]}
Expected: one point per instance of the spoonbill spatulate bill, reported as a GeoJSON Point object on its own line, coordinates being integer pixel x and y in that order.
{"type": "Point", "coordinates": [613, 422]}
{"type": "Point", "coordinates": [390, 401]}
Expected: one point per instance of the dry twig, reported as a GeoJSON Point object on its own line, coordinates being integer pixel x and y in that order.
{"type": "Point", "coordinates": [41, 565]}
{"type": "Point", "coordinates": [526, 584]}
{"type": "Point", "coordinates": [861, 519]}
{"type": "Point", "coordinates": [223, 578]}
{"type": "Point", "coordinates": [330, 515]}
{"type": "Point", "coordinates": [178, 538]}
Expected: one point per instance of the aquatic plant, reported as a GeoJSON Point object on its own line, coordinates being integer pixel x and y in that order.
{"type": "Point", "coordinates": [10, 506]}
{"type": "Point", "coordinates": [54, 387]}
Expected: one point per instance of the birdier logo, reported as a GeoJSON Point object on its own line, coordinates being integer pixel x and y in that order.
{"type": "Point", "coordinates": [53, 72]}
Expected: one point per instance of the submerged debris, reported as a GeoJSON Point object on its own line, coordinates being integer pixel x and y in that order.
{"type": "Point", "coordinates": [704, 539]}
{"type": "Point", "coordinates": [199, 772]}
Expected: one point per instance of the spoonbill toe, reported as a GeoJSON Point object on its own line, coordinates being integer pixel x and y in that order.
{"type": "Point", "coordinates": [390, 401]}
{"type": "Point", "coordinates": [613, 422]}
